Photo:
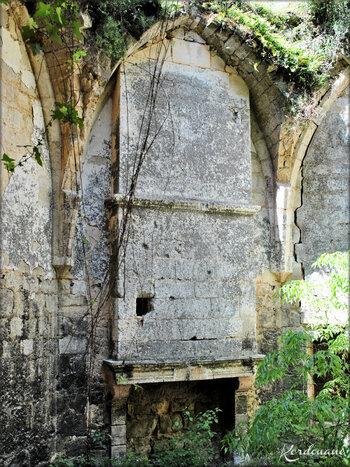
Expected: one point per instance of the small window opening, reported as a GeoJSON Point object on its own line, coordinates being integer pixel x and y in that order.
{"type": "Point", "coordinates": [143, 305]}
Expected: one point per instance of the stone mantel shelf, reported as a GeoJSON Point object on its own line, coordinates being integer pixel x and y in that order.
{"type": "Point", "coordinates": [187, 205]}
{"type": "Point", "coordinates": [154, 372]}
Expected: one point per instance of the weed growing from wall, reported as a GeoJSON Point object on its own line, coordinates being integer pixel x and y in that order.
{"type": "Point", "coordinates": [192, 445]}
{"type": "Point", "coordinates": [303, 45]}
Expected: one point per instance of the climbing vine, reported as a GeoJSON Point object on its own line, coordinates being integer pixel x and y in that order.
{"type": "Point", "coordinates": [53, 24]}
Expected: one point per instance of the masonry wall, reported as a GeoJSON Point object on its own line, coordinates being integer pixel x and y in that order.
{"type": "Point", "coordinates": [190, 242]}
{"type": "Point", "coordinates": [28, 290]}
{"type": "Point", "coordinates": [45, 324]}
{"type": "Point", "coordinates": [84, 312]}
{"type": "Point", "coordinates": [323, 218]}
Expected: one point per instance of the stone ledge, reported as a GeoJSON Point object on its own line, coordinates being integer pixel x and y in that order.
{"type": "Point", "coordinates": [126, 373]}
{"type": "Point", "coordinates": [206, 207]}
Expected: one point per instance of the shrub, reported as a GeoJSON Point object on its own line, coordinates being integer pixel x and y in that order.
{"type": "Point", "coordinates": [312, 432]}
{"type": "Point", "coordinates": [192, 445]}
{"type": "Point", "coordinates": [114, 21]}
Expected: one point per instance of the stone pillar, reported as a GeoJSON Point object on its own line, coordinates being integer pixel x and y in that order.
{"type": "Point", "coordinates": [118, 419]}
{"type": "Point", "coordinates": [246, 400]}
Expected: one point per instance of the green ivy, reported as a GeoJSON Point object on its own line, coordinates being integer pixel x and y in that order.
{"type": "Point", "coordinates": [8, 162]}
{"type": "Point", "coordinates": [303, 44]}
{"type": "Point", "coordinates": [299, 63]}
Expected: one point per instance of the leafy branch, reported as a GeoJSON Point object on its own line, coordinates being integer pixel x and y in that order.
{"type": "Point", "coordinates": [10, 164]}
{"type": "Point", "coordinates": [50, 22]}
{"type": "Point", "coordinates": [65, 112]}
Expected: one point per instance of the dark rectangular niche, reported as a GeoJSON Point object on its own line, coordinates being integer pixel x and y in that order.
{"type": "Point", "coordinates": [143, 305]}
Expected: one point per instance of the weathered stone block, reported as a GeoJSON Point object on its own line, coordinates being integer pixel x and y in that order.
{"type": "Point", "coordinates": [6, 302]}
{"type": "Point", "coordinates": [241, 405]}
{"type": "Point", "coordinates": [174, 288]}
{"type": "Point", "coordinates": [27, 346]}
{"type": "Point", "coordinates": [118, 415]}
{"type": "Point", "coordinates": [72, 345]}
{"type": "Point", "coordinates": [190, 53]}
{"type": "Point", "coordinates": [118, 433]}
{"type": "Point", "coordinates": [192, 36]}
{"type": "Point", "coordinates": [208, 289]}
{"type": "Point", "coordinates": [73, 300]}
{"type": "Point", "coordinates": [232, 44]}
{"type": "Point", "coordinates": [117, 451]}
{"type": "Point", "coordinates": [163, 269]}
{"type": "Point", "coordinates": [16, 327]}
{"type": "Point", "coordinates": [180, 308]}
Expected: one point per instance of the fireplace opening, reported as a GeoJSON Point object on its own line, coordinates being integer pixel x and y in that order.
{"type": "Point", "coordinates": [156, 412]}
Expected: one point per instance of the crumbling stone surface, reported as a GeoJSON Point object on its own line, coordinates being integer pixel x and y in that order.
{"type": "Point", "coordinates": [323, 218]}
{"type": "Point", "coordinates": [28, 291]}
{"type": "Point", "coordinates": [189, 264]}
{"type": "Point", "coordinates": [199, 111]}
{"type": "Point", "coordinates": [193, 299]}
{"type": "Point", "coordinates": [28, 369]}
{"type": "Point", "coordinates": [96, 181]}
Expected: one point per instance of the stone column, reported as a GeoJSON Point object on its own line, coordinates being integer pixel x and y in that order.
{"type": "Point", "coordinates": [118, 419]}
{"type": "Point", "coordinates": [246, 400]}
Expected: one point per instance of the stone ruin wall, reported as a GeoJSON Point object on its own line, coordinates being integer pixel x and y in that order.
{"type": "Point", "coordinates": [323, 215]}
{"type": "Point", "coordinates": [43, 319]}
{"type": "Point", "coordinates": [43, 329]}
{"type": "Point", "coordinates": [190, 247]}
{"type": "Point", "coordinates": [29, 293]}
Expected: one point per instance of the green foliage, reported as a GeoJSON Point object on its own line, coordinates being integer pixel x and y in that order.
{"type": "Point", "coordinates": [130, 460]}
{"type": "Point", "coordinates": [191, 445]}
{"type": "Point", "coordinates": [50, 22]}
{"type": "Point", "coordinates": [8, 162]}
{"type": "Point", "coordinates": [65, 112]}
{"type": "Point", "coordinates": [329, 297]}
{"type": "Point", "coordinates": [303, 44]}
{"type": "Point", "coordinates": [171, 7]}
{"type": "Point", "coordinates": [114, 21]}
{"type": "Point", "coordinates": [37, 155]}
{"type": "Point", "coordinates": [112, 39]}
{"type": "Point", "coordinates": [56, 21]}
{"type": "Point", "coordinates": [293, 422]}
{"type": "Point", "coordinates": [75, 60]}
{"type": "Point", "coordinates": [303, 64]}
{"type": "Point", "coordinates": [332, 16]}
